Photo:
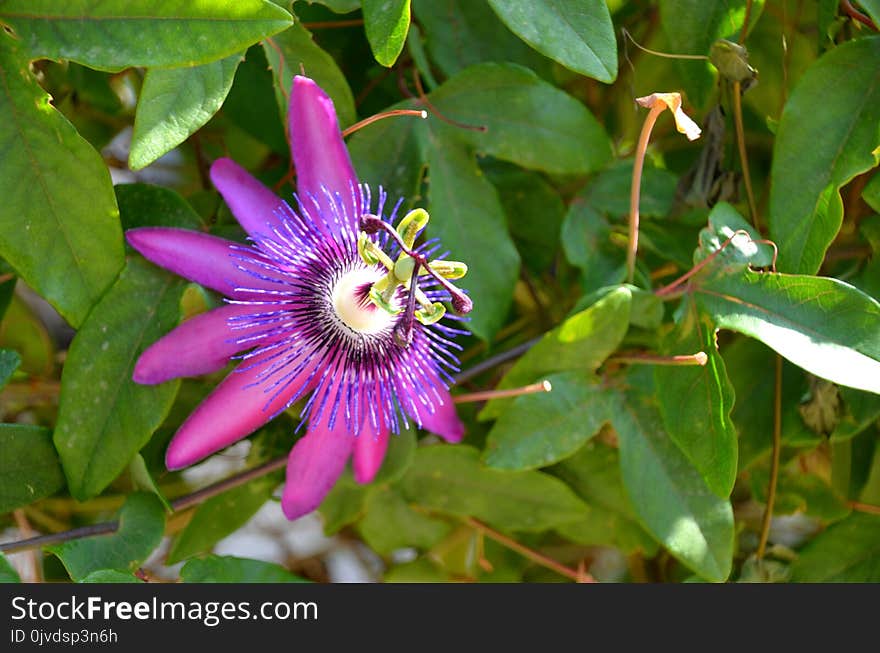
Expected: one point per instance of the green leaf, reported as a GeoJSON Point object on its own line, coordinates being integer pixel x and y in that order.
{"type": "Point", "coordinates": [294, 48]}
{"type": "Point", "coordinates": [60, 231]}
{"type": "Point", "coordinates": [576, 33]}
{"type": "Point", "coordinates": [229, 569]}
{"type": "Point", "coordinates": [540, 429]}
{"type": "Point", "coordinates": [525, 195]}
{"type": "Point", "coordinates": [724, 236]}
{"type": "Point", "coordinates": [7, 571]}
{"type": "Point", "coordinates": [528, 121]}
{"type": "Point", "coordinates": [387, 153]}
{"type": "Point", "coordinates": [582, 342]}
{"type": "Point", "coordinates": [474, 36]}
{"type": "Point", "coordinates": [466, 215]}
{"type": "Point", "coordinates": [401, 449]}
{"type": "Point", "coordinates": [386, 23]}
{"type": "Point", "coordinates": [668, 494]}
{"type": "Point", "coordinates": [141, 523]}
{"type": "Point", "coordinates": [692, 26]}
{"type": "Point", "coordinates": [221, 515]}
{"type": "Point", "coordinates": [862, 410]}
{"type": "Point", "coordinates": [142, 480]}
{"type": "Point", "coordinates": [143, 205]}
{"type": "Point", "coordinates": [343, 505]}
{"type": "Point", "coordinates": [112, 36]}
{"type": "Point", "coordinates": [594, 474]}
{"type": "Point", "coordinates": [827, 135]}
{"type": "Point", "coordinates": [29, 466]}
{"type": "Point", "coordinates": [586, 241]}
{"type": "Point", "coordinates": [390, 523]}
{"type": "Point", "coordinates": [104, 417]}
{"type": "Point", "coordinates": [825, 326]}
{"type": "Point", "coordinates": [9, 362]}
{"type": "Point", "coordinates": [23, 331]}
{"type": "Point", "coordinates": [450, 479]}
{"type": "Point", "coordinates": [848, 552]}
{"type": "Point", "coordinates": [111, 576]}
{"type": "Point", "coordinates": [873, 9]}
{"type": "Point", "coordinates": [695, 402]}
{"type": "Point", "coordinates": [609, 190]}
{"type": "Point", "coordinates": [174, 103]}
{"type": "Point", "coordinates": [338, 6]}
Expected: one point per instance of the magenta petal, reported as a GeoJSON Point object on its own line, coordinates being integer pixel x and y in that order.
{"type": "Point", "coordinates": [320, 157]}
{"type": "Point", "coordinates": [233, 410]}
{"type": "Point", "coordinates": [254, 206]}
{"type": "Point", "coordinates": [315, 463]}
{"type": "Point", "coordinates": [444, 420]}
{"type": "Point", "coordinates": [210, 261]}
{"type": "Point", "coordinates": [201, 345]}
{"type": "Point", "coordinates": [369, 451]}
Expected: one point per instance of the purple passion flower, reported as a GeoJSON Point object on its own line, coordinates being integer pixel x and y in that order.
{"type": "Point", "coordinates": [318, 305]}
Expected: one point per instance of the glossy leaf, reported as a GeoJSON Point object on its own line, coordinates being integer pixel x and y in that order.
{"type": "Point", "coordinates": [467, 216]}
{"type": "Point", "coordinates": [390, 523]}
{"type": "Point", "coordinates": [176, 102]}
{"type": "Point", "coordinates": [60, 231]}
{"type": "Point", "coordinates": [29, 466]}
{"type": "Point", "coordinates": [668, 494]}
{"type": "Point", "coordinates": [141, 523]}
{"type": "Point", "coordinates": [104, 416]}
{"type": "Point", "coordinates": [733, 240]}
{"type": "Point", "coordinates": [112, 36]}
{"type": "Point", "coordinates": [450, 479]}
{"type": "Point", "coordinates": [143, 205]}
{"type": "Point", "coordinates": [527, 120]}
{"type": "Point", "coordinates": [221, 515]}
{"type": "Point", "coordinates": [825, 326]}
{"type": "Point", "coordinates": [695, 402]}
{"type": "Point", "coordinates": [229, 569]}
{"type": "Point", "coordinates": [827, 135]}
{"type": "Point", "coordinates": [540, 429]}
{"type": "Point", "coordinates": [386, 23]}
{"type": "Point", "coordinates": [582, 342]}
{"type": "Point", "coordinates": [594, 474]}
{"type": "Point", "coordinates": [576, 33]}
{"type": "Point", "coordinates": [460, 33]}
{"type": "Point", "coordinates": [293, 50]}
{"type": "Point", "coordinates": [848, 552]}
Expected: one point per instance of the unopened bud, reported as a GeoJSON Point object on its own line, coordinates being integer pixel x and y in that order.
{"type": "Point", "coordinates": [461, 303]}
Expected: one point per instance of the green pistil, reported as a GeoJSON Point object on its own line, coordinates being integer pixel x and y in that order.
{"type": "Point", "coordinates": [400, 272]}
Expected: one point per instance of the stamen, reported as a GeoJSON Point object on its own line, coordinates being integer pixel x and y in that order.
{"type": "Point", "coordinates": [421, 113]}
{"type": "Point", "coordinates": [541, 386]}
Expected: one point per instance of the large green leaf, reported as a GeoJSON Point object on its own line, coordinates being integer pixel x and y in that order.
{"type": "Point", "coordinates": [60, 230]}
{"type": "Point", "coordinates": [391, 523]}
{"type": "Point", "coordinates": [594, 474]}
{"type": "Point", "coordinates": [460, 33]}
{"type": "Point", "coordinates": [451, 479]}
{"type": "Point", "coordinates": [528, 121]}
{"type": "Point", "coordinates": [582, 342]}
{"type": "Point", "coordinates": [104, 417]}
{"type": "Point", "coordinates": [29, 466]}
{"type": "Point", "coordinates": [114, 35]}
{"type": "Point", "coordinates": [695, 402]}
{"type": "Point", "coordinates": [221, 515]}
{"type": "Point", "coordinates": [386, 23]}
{"type": "Point", "coordinates": [176, 102]}
{"type": "Point", "coordinates": [692, 26]}
{"type": "Point", "coordinates": [668, 494]}
{"type": "Point", "coordinates": [143, 205]}
{"type": "Point", "coordinates": [540, 429]}
{"type": "Point", "coordinates": [827, 135]}
{"type": "Point", "coordinates": [848, 552]}
{"type": "Point", "coordinates": [141, 523]}
{"type": "Point", "coordinates": [229, 569]}
{"type": "Point", "coordinates": [293, 50]}
{"type": "Point", "coordinates": [466, 215]}
{"type": "Point", "coordinates": [576, 33]}
{"type": "Point", "coordinates": [825, 326]}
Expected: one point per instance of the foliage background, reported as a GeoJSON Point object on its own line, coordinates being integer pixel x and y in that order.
{"type": "Point", "coordinates": [111, 112]}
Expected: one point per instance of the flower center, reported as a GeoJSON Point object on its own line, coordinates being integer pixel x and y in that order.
{"type": "Point", "coordinates": [351, 302]}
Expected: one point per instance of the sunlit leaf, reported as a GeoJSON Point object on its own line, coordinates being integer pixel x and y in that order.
{"type": "Point", "coordinates": [386, 23]}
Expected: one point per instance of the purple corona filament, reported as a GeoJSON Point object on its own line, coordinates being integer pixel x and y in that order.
{"type": "Point", "coordinates": [305, 317]}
